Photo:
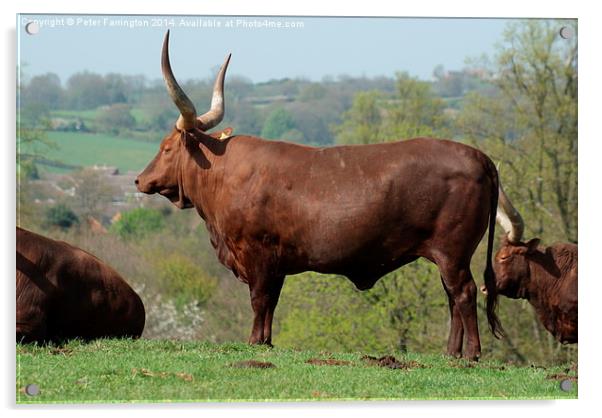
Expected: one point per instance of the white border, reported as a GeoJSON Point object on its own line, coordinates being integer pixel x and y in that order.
{"type": "Point", "coordinates": [589, 188]}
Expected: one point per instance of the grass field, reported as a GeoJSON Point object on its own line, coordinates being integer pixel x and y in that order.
{"type": "Point", "coordinates": [108, 371]}
{"type": "Point", "coordinates": [85, 149]}
{"type": "Point", "coordinates": [89, 116]}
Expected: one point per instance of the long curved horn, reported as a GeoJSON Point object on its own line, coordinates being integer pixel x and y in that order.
{"type": "Point", "coordinates": [216, 113]}
{"type": "Point", "coordinates": [187, 119]}
{"type": "Point", "coordinates": [509, 218]}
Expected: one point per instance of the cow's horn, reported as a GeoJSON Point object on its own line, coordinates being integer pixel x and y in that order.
{"type": "Point", "coordinates": [187, 119]}
{"type": "Point", "coordinates": [216, 113]}
{"type": "Point", "coordinates": [509, 218]}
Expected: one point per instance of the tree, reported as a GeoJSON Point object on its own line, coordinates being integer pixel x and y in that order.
{"type": "Point", "coordinates": [86, 90]}
{"type": "Point", "coordinates": [528, 124]}
{"type": "Point", "coordinates": [138, 223]}
{"type": "Point", "coordinates": [60, 216]}
{"type": "Point", "coordinates": [362, 124]}
{"type": "Point", "coordinates": [43, 90]}
{"type": "Point", "coordinates": [412, 301]}
{"type": "Point", "coordinates": [93, 192]}
{"type": "Point", "coordinates": [277, 123]}
{"type": "Point", "coordinates": [415, 111]}
{"type": "Point", "coordinates": [115, 118]}
{"type": "Point", "coordinates": [183, 280]}
{"type": "Point", "coordinates": [538, 73]}
{"type": "Point", "coordinates": [32, 144]}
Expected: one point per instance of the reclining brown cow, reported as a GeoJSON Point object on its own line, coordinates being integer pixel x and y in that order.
{"type": "Point", "coordinates": [64, 292]}
{"type": "Point", "coordinates": [545, 276]}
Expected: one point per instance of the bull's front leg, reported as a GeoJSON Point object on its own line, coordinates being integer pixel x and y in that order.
{"type": "Point", "coordinates": [264, 298]}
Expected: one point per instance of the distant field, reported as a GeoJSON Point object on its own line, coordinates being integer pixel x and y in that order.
{"type": "Point", "coordinates": [85, 149]}
{"type": "Point", "coordinates": [176, 371]}
{"type": "Point", "coordinates": [89, 116]}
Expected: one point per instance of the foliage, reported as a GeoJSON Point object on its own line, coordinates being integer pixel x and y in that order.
{"type": "Point", "coordinates": [114, 370]}
{"type": "Point", "coordinates": [415, 111]}
{"type": "Point", "coordinates": [43, 89]}
{"type": "Point", "coordinates": [314, 314]}
{"type": "Point", "coordinates": [362, 123]}
{"type": "Point", "coordinates": [60, 216]}
{"type": "Point", "coordinates": [86, 90]}
{"type": "Point", "coordinates": [138, 223]}
{"type": "Point", "coordinates": [182, 280]}
{"type": "Point", "coordinates": [412, 304]}
{"type": "Point", "coordinates": [32, 144]}
{"type": "Point", "coordinates": [277, 124]}
{"type": "Point", "coordinates": [115, 118]}
{"type": "Point", "coordinates": [404, 311]}
{"type": "Point", "coordinates": [530, 127]}
{"type": "Point", "coordinates": [92, 192]}
{"type": "Point", "coordinates": [171, 320]}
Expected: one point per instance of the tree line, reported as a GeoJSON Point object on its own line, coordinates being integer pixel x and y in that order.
{"type": "Point", "coordinates": [135, 107]}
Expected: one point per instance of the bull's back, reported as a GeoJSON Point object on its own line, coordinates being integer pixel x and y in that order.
{"type": "Point", "coordinates": [346, 205]}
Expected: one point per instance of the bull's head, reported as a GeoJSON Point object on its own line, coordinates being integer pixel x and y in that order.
{"type": "Point", "coordinates": [163, 175]}
{"type": "Point", "coordinates": [510, 262]}
{"type": "Point", "coordinates": [511, 265]}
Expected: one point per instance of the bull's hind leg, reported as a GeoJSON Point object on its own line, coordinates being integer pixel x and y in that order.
{"type": "Point", "coordinates": [462, 290]}
{"type": "Point", "coordinates": [274, 295]}
{"type": "Point", "coordinates": [264, 298]}
{"type": "Point", "coordinates": [456, 329]}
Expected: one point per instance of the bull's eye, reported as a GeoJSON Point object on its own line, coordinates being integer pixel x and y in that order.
{"type": "Point", "coordinates": [166, 150]}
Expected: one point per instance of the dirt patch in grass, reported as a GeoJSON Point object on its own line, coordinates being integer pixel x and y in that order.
{"type": "Point", "coordinates": [148, 373]}
{"type": "Point", "coordinates": [561, 376]}
{"type": "Point", "coordinates": [61, 351]}
{"type": "Point", "coordinates": [253, 364]}
{"type": "Point", "coordinates": [328, 362]}
{"type": "Point", "coordinates": [392, 363]}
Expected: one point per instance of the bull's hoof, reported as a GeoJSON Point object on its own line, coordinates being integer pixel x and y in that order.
{"type": "Point", "coordinates": [472, 357]}
{"type": "Point", "coordinates": [454, 354]}
{"type": "Point", "coordinates": [260, 342]}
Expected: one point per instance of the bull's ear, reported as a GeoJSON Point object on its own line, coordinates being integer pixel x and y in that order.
{"type": "Point", "coordinates": [223, 134]}
{"type": "Point", "coordinates": [226, 133]}
{"type": "Point", "coordinates": [532, 245]}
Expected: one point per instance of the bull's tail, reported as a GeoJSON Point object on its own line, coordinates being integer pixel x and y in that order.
{"type": "Point", "coordinates": [494, 323]}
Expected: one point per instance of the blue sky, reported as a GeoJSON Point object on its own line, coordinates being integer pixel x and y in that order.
{"type": "Point", "coordinates": [316, 47]}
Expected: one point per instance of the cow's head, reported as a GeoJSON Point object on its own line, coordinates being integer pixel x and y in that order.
{"type": "Point", "coordinates": [164, 173]}
{"type": "Point", "coordinates": [511, 265]}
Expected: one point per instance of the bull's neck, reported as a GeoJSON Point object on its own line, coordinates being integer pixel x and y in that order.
{"type": "Point", "coordinates": [202, 174]}
{"type": "Point", "coordinates": [541, 281]}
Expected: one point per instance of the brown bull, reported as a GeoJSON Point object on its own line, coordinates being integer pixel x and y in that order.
{"type": "Point", "coordinates": [275, 208]}
{"type": "Point", "coordinates": [64, 292]}
{"type": "Point", "coordinates": [545, 276]}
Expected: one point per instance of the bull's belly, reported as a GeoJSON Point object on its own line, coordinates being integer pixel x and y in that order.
{"type": "Point", "coordinates": [364, 273]}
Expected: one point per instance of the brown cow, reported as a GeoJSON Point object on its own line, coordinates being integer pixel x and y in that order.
{"type": "Point", "coordinates": [545, 276]}
{"type": "Point", "coordinates": [64, 292]}
{"type": "Point", "coordinates": [274, 208]}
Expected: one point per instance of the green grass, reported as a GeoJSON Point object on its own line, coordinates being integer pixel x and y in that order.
{"type": "Point", "coordinates": [172, 371]}
{"type": "Point", "coordinates": [89, 116]}
{"type": "Point", "coordinates": [85, 149]}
